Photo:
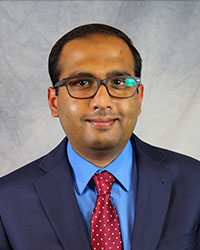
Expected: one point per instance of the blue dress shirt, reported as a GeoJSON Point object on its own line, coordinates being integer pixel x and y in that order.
{"type": "Point", "coordinates": [123, 192]}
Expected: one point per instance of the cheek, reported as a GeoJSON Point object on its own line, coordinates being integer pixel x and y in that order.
{"type": "Point", "coordinates": [67, 113]}
{"type": "Point", "coordinates": [73, 109]}
{"type": "Point", "coordinates": [129, 109]}
{"type": "Point", "coordinates": [67, 110]}
{"type": "Point", "coordinates": [66, 104]}
{"type": "Point", "coordinates": [130, 114]}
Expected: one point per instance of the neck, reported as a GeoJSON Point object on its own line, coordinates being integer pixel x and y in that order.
{"type": "Point", "coordinates": [99, 157]}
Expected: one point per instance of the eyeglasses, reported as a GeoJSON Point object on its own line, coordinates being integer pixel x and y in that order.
{"type": "Point", "coordinates": [83, 87]}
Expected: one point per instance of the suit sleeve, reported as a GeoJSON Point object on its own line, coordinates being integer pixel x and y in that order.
{"type": "Point", "coordinates": [4, 242]}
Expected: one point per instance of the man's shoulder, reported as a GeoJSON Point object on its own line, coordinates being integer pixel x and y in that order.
{"type": "Point", "coordinates": [20, 179]}
{"type": "Point", "coordinates": [32, 171]}
{"type": "Point", "coordinates": [181, 168]}
{"type": "Point", "coordinates": [170, 158]}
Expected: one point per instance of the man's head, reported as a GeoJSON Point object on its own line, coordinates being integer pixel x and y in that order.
{"type": "Point", "coordinates": [83, 32]}
{"type": "Point", "coordinates": [102, 124]}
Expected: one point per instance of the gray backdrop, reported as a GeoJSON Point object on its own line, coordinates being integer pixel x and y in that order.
{"type": "Point", "coordinates": [166, 33]}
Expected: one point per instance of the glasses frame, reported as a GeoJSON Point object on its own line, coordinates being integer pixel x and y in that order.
{"type": "Point", "coordinates": [64, 82]}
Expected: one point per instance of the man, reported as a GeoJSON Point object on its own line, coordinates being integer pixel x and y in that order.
{"type": "Point", "coordinates": [101, 187]}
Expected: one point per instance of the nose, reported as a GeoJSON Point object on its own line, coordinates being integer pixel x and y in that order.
{"type": "Point", "coordinates": [102, 100]}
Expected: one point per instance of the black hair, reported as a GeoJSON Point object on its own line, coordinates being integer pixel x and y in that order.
{"type": "Point", "coordinates": [85, 31]}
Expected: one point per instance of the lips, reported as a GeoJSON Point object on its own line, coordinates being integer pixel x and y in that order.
{"type": "Point", "coordinates": [102, 123]}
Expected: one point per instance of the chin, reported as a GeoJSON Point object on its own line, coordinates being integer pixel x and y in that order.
{"type": "Point", "coordinates": [103, 143]}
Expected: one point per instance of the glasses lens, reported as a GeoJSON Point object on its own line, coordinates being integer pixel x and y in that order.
{"type": "Point", "coordinates": [82, 87]}
{"type": "Point", "coordinates": [118, 86]}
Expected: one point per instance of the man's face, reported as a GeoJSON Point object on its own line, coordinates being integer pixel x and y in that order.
{"type": "Point", "coordinates": [102, 122]}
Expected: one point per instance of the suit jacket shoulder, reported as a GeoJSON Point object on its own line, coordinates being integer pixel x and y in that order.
{"type": "Point", "coordinates": [168, 201]}
{"type": "Point", "coordinates": [174, 159]}
{"type": "Point", "coordinates": [33, 170]}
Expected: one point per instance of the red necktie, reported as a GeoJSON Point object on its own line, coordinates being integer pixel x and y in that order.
{"type": "Point", "coordinates": [105, 231]}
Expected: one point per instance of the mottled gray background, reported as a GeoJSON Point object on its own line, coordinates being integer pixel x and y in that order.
{"type": "Point", "coordinates": [166, 33]}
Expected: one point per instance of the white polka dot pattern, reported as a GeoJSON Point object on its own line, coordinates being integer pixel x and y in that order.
{"type": "Point", "coordinates": [105, 231]}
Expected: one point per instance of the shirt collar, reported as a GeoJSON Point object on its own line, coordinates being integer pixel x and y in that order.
{"type": "Point", "coordinates": [121, 168]}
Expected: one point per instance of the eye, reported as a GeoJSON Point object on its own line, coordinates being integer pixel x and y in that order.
{"type": "Point", "coordinates": [118, 82]}
{"type": "Point", "coordinates": [82, 82]}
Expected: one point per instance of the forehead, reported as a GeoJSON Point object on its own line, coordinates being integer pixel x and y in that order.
{"type": "Point", "coordinates": [97, 52]}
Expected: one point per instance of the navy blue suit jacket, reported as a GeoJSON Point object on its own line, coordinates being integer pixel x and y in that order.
{"type": "Point", "coordinates": [39, 211]}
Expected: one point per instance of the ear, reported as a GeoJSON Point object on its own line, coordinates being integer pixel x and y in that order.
{"type": "Point", "coordinates": [52, 99]}
{"type": "Point", "coordinates": [140, 97]}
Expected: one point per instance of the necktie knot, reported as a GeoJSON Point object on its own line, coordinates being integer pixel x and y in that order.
{"type": "Point", "coordinates": [103, 182]}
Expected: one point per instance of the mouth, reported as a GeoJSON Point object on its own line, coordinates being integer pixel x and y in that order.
{"type": "Point", "coordinates": [102, 123]}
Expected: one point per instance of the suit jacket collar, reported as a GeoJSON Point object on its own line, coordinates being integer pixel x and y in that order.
{"type": "Point", "coordinates": [56, 193]}
{"type": "Point", "coordinates": [153, 195]}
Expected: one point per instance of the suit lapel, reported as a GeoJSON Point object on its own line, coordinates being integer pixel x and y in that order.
{"type": "Point", "coordinates": [153, 195]}
{"type": "Point", "coordinates": [57, 196]}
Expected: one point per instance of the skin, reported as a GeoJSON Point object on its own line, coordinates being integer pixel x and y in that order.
{"type": "Point", "coordinates": [98, 128]}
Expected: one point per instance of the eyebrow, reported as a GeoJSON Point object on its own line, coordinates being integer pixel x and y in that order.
{"type": "Point", "coordinates": [117, 73]}
{"type": "Point", "coordinates": [108, 75]}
